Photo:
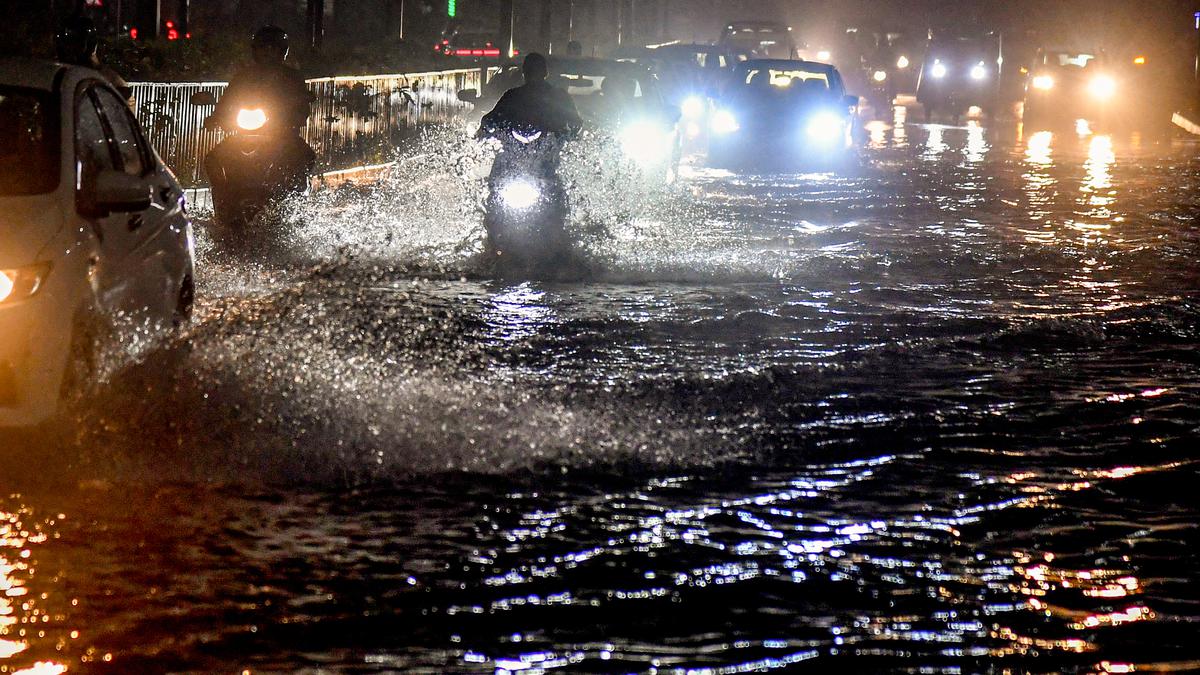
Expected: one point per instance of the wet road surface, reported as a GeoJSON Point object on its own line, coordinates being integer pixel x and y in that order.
{"type": "Point", "coordinates": [936, 415]}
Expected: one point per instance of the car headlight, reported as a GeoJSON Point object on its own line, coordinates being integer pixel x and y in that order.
{"type": "Point", "coordinates": [978, 72]}
{"type": "Point", "coordinates": [902, 62]}
{"type": "Point", "coordinates": [693, 107]}
{"type": "Point", "coordinates": [826, 127]}
{"type": "Point", "coordinates": [645, 142]}
{"type": "Point", "coordinates": [520, 194]}
{"type": "Point", "coordinates": [724, 123]}
{"type": "Point", "coordinates": [938, 70]}
{"type": "Point", "coordinates": [879, 75]}
{"type": "Point", "coordinates": [1043, 82]}
{"type": "Point", "coordinates": [824, 55]}
{"type": "Point", "coordinates": [251, 119]}
{"type": "Point", "coordinates": [22, 283]}
{"type": "Point", "coordinates": [1102, 86]}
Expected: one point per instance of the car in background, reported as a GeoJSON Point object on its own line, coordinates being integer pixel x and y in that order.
{"type": "Point", "coordinates": [644, 124]}
{"type": "Point", "coordinates": [1067, 85]}
{"type": "Point", "coordinates": [782, 112]}
{"type": "Point", "coordinates": [763, 39]}
{"type": "Point", "coordinates": [470, 47]}
{"type": "Point", "coordinates": [95, 237]}
{"type": "Point", "coordinates": [886, 65]}
{"type": "Point", "coordinates": [958, 74]}
{"type": "Point", "coordinates": [689, 74]}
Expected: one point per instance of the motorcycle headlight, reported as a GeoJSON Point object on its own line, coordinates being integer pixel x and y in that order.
{"type": "Point", "coordinates": [724, 122]}
{"type": "Point", "coordinates": [879, 75]}
{"type": "Point", "coordinates": [1102, 86]}
{"type": "Point", "coordinates": [939, 70]}
{"type": "Point", "coordinates": [22, 283]}
{"type": "Point", "coordinates": [251, 119]}
{"type": "Point", "coordinates": [1043, 82]}
{"type": "Point", "coordinates": [826, 127]}
{"type": "Point", "coordinates": [979, 72]}
{"type": "Point", "coordinates": [520, 194]}
{"type": "Point", "coordinates": [693, 107]}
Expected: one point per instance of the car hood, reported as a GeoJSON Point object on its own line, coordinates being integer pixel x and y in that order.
{"type": "Point", "coordinates": [27, 224]}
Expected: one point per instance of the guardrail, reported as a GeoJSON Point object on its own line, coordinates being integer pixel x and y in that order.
{"type": "Point", "coordinates": [355, 120]}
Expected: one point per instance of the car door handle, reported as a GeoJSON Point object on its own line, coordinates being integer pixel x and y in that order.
{"type": "Point", "coordinates": [135, 222]}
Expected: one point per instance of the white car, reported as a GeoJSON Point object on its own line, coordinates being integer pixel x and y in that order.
{"type": "Point", "coordinates": [93, 233]}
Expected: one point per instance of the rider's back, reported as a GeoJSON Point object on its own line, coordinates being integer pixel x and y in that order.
{"type": "Point", "coordinates": [535, 105]}
{"type": "Point", "coordinates": [277, 87]}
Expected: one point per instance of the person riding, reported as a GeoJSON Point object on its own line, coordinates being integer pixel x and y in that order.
{"type": "Point", "coordinates": [267, 84]}
{"type": "Point", "coordinates": [536, 106]}
{"type": "Point", "coordinates": [77, 43]}
{"type": "Point", "coordinates": [283, 102]}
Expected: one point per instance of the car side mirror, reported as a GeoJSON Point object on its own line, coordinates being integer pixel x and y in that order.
{"type": "Point", "coordinates": [850, 100]}
{"type": "Point", "coordinates": [119, 192]}
{"type": "Point", "coordinates": [468, 95]}
{"type": "Point", "coordinates": [203, 98]}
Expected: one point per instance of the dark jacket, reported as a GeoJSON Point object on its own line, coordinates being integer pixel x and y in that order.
{"type": "Point", "coordinates": [276, 88]}
{"type": "Point", "coordinates": [536, 105]}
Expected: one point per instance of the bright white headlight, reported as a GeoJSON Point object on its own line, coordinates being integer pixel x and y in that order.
{"type": "Point", "coordinates": [645, 142]}
{"type": "Point", "coordinates": [251, 119]}
{"type": "Point", "coordinates": [1102, 86]}
{"type": "Point", "coordinates": [938, 70]}
{"type": "Point", "coordinates": [826, 127]}
{"type": "Point", "coordinates": [879, 75]}
{"type": "Point", "coordinates": [902, 62]}
{"type": "Point", "coordinates": [1043, 82]}
{"type": "Point", "coordinates": [724, 123]}
{"type": "Point", "coordinates": [978, 72]}
{"type": "Point", "coordinates": [824, 55]}
{"type": "Point", "coordinates": [520, 194]}
{"type": "Point", "coordinates": [693, 107]}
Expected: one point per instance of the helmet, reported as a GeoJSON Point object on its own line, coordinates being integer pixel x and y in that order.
{"type": "Point", "coordinates": [76, 41]}
{"type": "Point", "coordinates": [271, 40]}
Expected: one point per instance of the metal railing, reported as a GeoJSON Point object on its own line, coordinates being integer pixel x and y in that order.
{"type": "Point", "coordinates": [354, 120]}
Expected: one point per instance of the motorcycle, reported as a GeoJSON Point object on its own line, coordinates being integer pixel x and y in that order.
{"type": "Point", "coordinates": [253, 166]}
{"type": "Point", "coordinates": [526, 209]}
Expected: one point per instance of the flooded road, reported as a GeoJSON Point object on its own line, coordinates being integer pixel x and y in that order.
{"type": "Point", "coordinates": [936, 415]}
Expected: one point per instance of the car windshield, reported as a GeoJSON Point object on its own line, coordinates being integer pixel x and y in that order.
{"type": "Point", "coordinates": [1069, 60]}
{"type": "Point", "coordinates": [806, 80]}
{"type": "Point", "coordinates": [588, 81]}
{"type": "Point", "coordinates": [960, 49]}
{"type": "Point", "coordinates": [28, 142]}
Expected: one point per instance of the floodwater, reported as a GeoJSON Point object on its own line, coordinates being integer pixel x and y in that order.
{"type": "Point", "coordinates": [938, 414]}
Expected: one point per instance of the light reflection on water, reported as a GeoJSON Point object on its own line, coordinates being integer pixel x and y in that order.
{"type": "Point", "coordinates": [23, 618]}
{"type": "Point", "coordinates": [865, 421]}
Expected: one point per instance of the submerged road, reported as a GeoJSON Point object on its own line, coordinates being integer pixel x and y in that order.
{"type": "Point", "coordinates": [939, 414]}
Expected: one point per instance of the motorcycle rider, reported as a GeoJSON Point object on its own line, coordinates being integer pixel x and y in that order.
{"type": "Point", "coordinates": [530, 121]}
{"type": "Point", "coordinates": [77, 43]}
{"type": "Point", "coordinates": [537, 105]}
{"type": "Point", "coordinates": [270, 85]}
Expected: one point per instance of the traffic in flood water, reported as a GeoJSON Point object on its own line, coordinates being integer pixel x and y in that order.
{"type": "Point", "coordinates": [936, 414]}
